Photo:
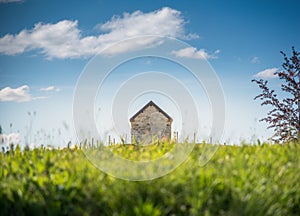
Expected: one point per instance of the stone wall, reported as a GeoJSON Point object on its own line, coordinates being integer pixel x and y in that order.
{"type": "Point", "coordinates": [150, 125]}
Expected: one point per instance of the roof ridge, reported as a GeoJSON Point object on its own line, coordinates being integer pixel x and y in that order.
{"type": "Point", "coordinates": [149, 104]}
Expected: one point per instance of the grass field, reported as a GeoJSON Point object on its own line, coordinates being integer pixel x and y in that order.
{"type": "Point", "coordinates": [238, 180]}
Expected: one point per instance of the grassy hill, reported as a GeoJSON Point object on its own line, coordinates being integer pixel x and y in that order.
{"type": "Point", "coordinates": [238, 180]}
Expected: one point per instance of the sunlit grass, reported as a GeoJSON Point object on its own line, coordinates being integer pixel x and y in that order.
{"type": "Point", "coordinates": [239, 180]}
{"type": "Point", "coordinates": [142, 152]}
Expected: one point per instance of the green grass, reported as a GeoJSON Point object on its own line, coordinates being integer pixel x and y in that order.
{"type": "Point", "coordinates": [142, 153]}
{"type": "Point", "coordinates": [245, 180]}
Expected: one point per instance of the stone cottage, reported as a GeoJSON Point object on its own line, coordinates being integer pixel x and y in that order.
{"type": "Point", "coordinates": [150, 124]}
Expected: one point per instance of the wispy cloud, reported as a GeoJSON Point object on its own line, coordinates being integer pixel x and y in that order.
{"type": "Point", "coordinates": [255, 60]}
{"type": "Point", "coordinates": [20, 94]}
{"type": "Point", "coordinates": [50, 89]}
{"type": "Point", "coordinates": [267, 73]}
{"type": "Point", "coordinates": [191, 52]}
{"type": "Point", "coordinates": [64, 39]}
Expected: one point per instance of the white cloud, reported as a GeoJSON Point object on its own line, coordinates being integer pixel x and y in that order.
{"type": "Point", "coordinates": [20, 94]}
{"type": "Point", "coordinates": [191, 52]}
{"type": "Point", "coordinates": [255, 60]}
{"type": "Point", "coordinates": [267, 73]}
{"type": "Point", "coordinates": [50, 88]}
{"type": "Point", "coordinates": [65, 40]}
{"type": "Point", "coordinates": [12, 138]}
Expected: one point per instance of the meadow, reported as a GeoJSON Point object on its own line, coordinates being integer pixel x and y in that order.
{"type": "Point", "coordinates": [238, 180]}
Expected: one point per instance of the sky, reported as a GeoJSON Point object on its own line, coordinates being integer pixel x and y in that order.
{"type": "Point", "coordinates": [45, 47]}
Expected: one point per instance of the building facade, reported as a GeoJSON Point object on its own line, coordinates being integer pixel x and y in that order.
{"type": "Point", "coordinates": [150, 124]}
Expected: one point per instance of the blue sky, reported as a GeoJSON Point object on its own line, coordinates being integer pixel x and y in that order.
{"type": "Point", "coordinates": [45, 45]}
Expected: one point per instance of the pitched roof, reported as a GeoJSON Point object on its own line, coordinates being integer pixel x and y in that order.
{"type": "Point", "coordinates": [151, 103]}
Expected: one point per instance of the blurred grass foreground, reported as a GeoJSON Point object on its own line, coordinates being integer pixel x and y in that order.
{"type": "Point", "coordinates": [238, 180]}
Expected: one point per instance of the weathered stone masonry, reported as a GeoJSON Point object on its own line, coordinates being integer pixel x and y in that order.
{"type": "Point", "coordinates": [149, 124]}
